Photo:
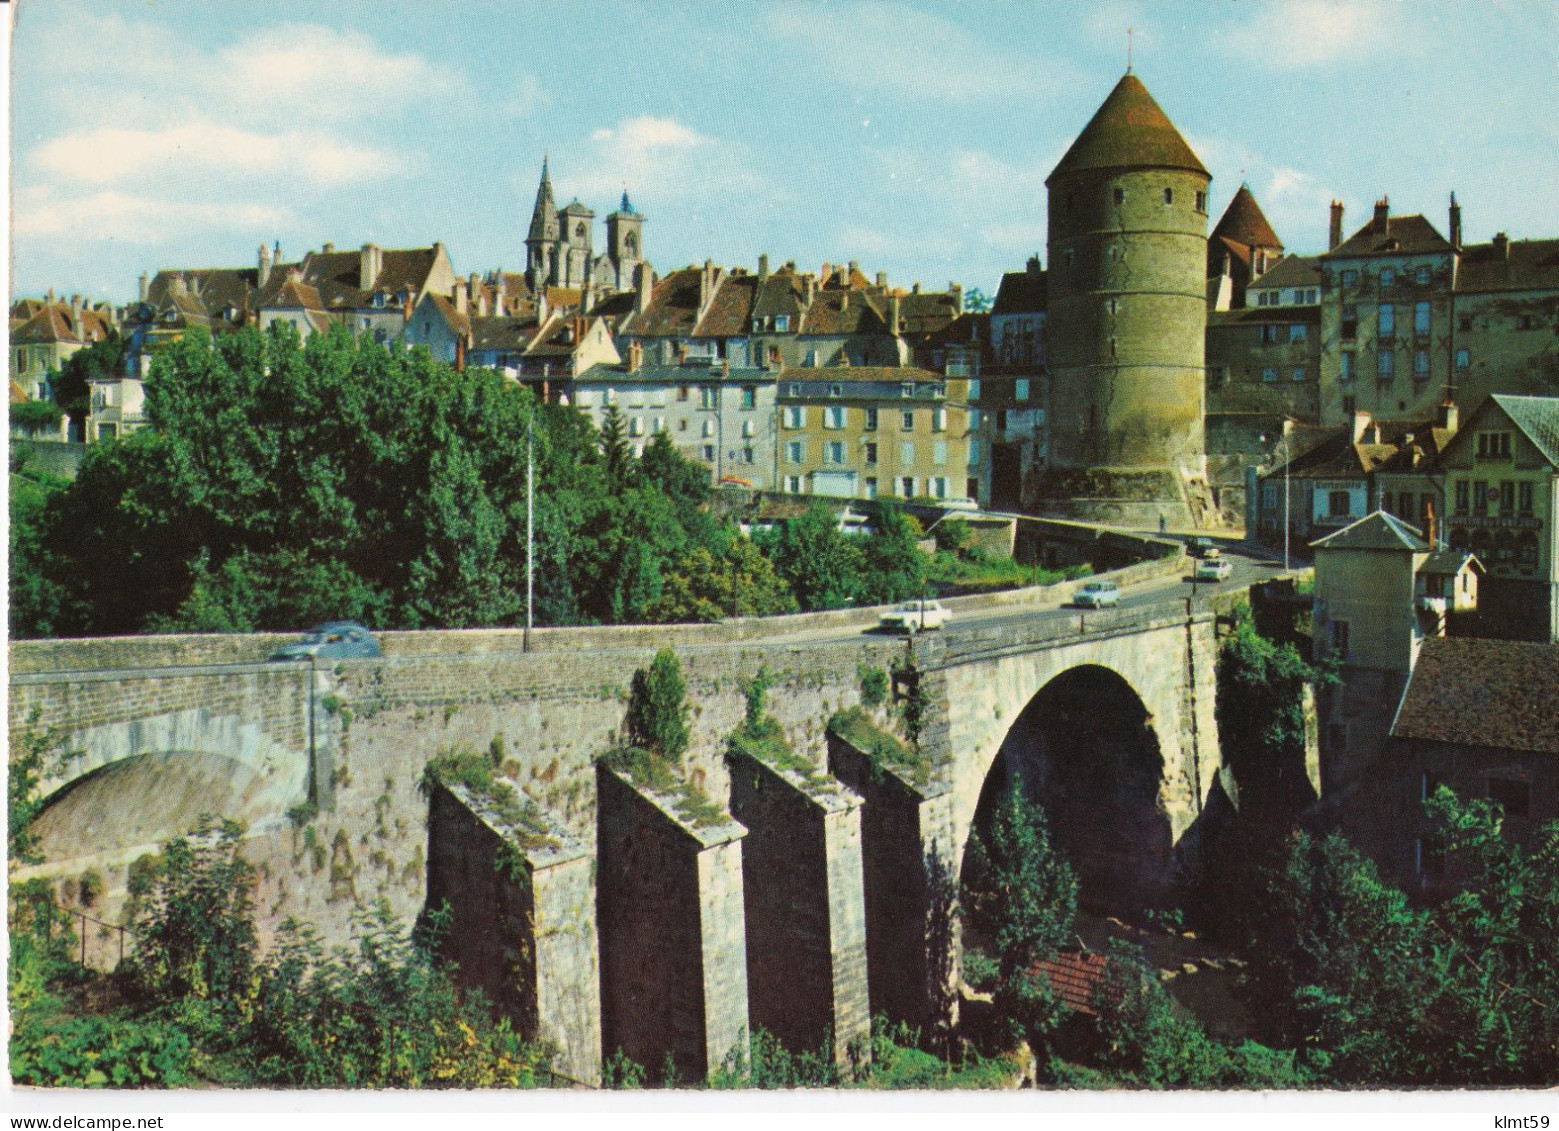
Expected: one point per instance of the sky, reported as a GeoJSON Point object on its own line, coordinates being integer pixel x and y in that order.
{"type": "Point", "coordinates": [912, 137]}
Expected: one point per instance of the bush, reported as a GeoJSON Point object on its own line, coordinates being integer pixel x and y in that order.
{"type": "Point", "coordinates": [874, 685]}
{"type": "Point", "coordinates": [657, 708]}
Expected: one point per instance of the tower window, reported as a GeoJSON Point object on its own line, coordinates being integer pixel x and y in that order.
{"type": "Point", "coordinates": [1201, 202]}
{"type": "Point", "coordinates": [1169, 196]}
{"type": "Point", "coordinates": [1120, 196]}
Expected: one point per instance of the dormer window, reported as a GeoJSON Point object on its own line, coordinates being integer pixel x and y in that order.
{"type": "Point", "coordinates": [757, 325]}
{"type": "Point", "coordinates": [1421, 276]}
{"type": "Point", "coordinates": [782, 323]}
{"type": "Point", "coordinates": [907, 389]}
{"type": "Point", "coordinates": [1388, 277]}
{"type": "Point", "coordinates": [836, 390]}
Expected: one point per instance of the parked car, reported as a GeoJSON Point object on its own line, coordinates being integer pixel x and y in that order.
{"type": "Point", "coordinates": [960, 504]}
{"type": "Point", "coordinates": [1097, 595]}
{"type": "Point", "coordinates": [1213, 569]}
{"type": "Point", "coordinates": [1199, 547]}
{"type": "Point", "coordinates": [334, 640]}
{"type": "Point", "coordinates": [912, 616]}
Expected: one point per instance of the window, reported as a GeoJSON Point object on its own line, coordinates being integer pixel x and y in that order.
{"type": "Point", "coordinates": [1420, 365]}
{"type": "Point", "coordinates": [871, 420]}
{"type": "Point", "coordinates": [1269, 373]}
{"type": "Point", "coordinates": [793, 484]}
{"type": "Point", "coordinates": [608, 396]}
{"type": "Point", "coordinates": [1001, 420]}
{"type": "Point", "coordinates": [1480, 497]}
{"type": "Point", "coordinates": [1385, 365]}
{"type": "Point", "coordinates": [1299, 373]}
{"type": "Point", "coordinates": [1350, 278]}
{"type": "Point", "coordinates": [1463, 360]}
{"type": "Point", "coordinates": [682, 392]}
{"type": "Point", "coordinates": [708, 452]}
{"type": "Point", "coordinates": [747, 456]}
{"type": "Point", "coordinates": [974, 390]}
{"type": "Point", "coordinates": [1347, 366]}
{"type": "Point", "coordinates": [1507, 496]}
{"type": "Point", "coordinates": [907, 486]}
{"type": "Point", "coordinates": [1421, 276]}
{"type": "Point", "coordinates": [1462, 492]}
{"type": "Point", "coordinates": [1515, 797]}
{"type": "Point", "coordinates": [907, 389]}
{"type": "Point", "coordinates": [1525, 505]}
{"type": "Point", "coordinates": [1340, 638]}
{"type": "Point", "coordinates": [1386, 320]}
{"type": "Point", "coordinates": [1350, 322]}
{"type": "Point", "coordinates": [1169, 196]}
{"type": "Point", "coordinates": [794, 389]}
{"type": "Point", "coordinates": [1493, 445]}
{"type": "Point", "coordinates": [939, 453]}
{"type": "Point", "coordinates": [1298, 332]}
{"type": "Point", "coordinates": [907, 452]}
{"type": "Point", "coordinates": [1337, 504]}
{"type": "Point", "coordinates": [795, 416]}
{"type": "Point", "coordinates": [781, 323]}
{"type": "Point", "coordinates": [1271, 334]}
{"type": "Point", "coordinates": [1020, 389]}
{"type": "Point", "coordinates": [1269, 496]}
{"type": "Point", "coordinates": [974, 453]}
{"type": "Point", "coordinates": [749, 397]}
{"type": "Point", "coordinates": [1421, 319]}
{"type": "Point", "coordinates": [1523, 322]}
{"type": "Point", "coordinates": [1201, 202]}
{"type": "Point", "coordinates": [635, 426]}
{"type": "Point", "coordinates": [833, 451]}
{"type": "Point", "coordinates": [907, 421]}
{"type": "Point", "coordinates": [871, 487]}
{"type": "Point", "coordinates": [871, 452]}
{"type": "Point", "coordinates": [796, 451]}
{"type": "Point", "coordinates": [749, 429]}
{"type": "Point", "coordinates": [836, 390]}
{"type": "Point", "coordinates": [682, 425]}
{"type": "Point", "coordinates": [1120, 196]}
{"type": "Point", "coordinates": [939, 420]}
{"type": "Point", "coordinates": [939, 486]}
{"type": "Point", "coordinates": [1388, 276]}
{"type": "Point", "coordinates": [834, 416]}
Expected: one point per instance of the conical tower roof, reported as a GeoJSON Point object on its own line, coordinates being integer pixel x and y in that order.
{"type": "Point", "coordinates": [1129, 132]}
{"type": "Point", "coordinates": [544, 217]}
{"type": "Point", "coordinates": [1243, 222]}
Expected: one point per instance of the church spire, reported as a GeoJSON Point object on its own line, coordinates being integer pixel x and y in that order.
{"type": "Point", "coordinates": [544, 217]}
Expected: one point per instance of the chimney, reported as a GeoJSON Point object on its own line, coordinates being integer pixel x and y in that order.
{"type": "Point", "coordinates": [1361, 424]}
{"type": "Point", "coordinates": [1450, 416]}
{"type": "Point", "coordinates": [369, 265]}
{"type": "Point", "coordinates": [826, 274]}
{"type": "Point", "coordinates": [1380, 224]}
{"type": "Point", "coordinates": [276, 254]}
{"type": "Point", "coordinates": [1431, 527]}
{"type": "Point", "coordinates": [1032, 266]}
{"type": "Point", "coordinates": [882, 280]}
{"type": "Point", "coordinates": [145, 286]}
{"type": "Point", "coordinates": [915, 289]}
{"type": "Point", "coordinates": [327, 249]}
{"type": "Point", "coordinates": [635, 356]}
{"type": "Point", "coordinates": [1334, 236]}
{"type": "Point", "coordinates": [265, 266]}
{"type": "Point", "coordinates": [498, 297]}
{"type": "Point", "coordinates": [958, 297]}
{"type": "Point", "coordinates": [51, 296]}
{"type": "Point", "coordinates": [542, 306]}
{"type": "Point", "coordinates": [706, 289]}
{"type": "Point", "coordinates": [643, 284]}
{"type": "Point", "coordinates": [854, 270]}
{"type": "Point", "coordinates": [763, 268]}
{"type": "Point", "coordinates": [1501, 245]}
{"type": "Point", "coordinates": [461, 301]}
{"type": "Point", "coordinates": [893, 314]}
{"type": "Point", "coordinates": [481, 299]}
{"type": "Point", "coordinates": [808, 290]}
{"type": "Point", "coordinates": [1456, 224]}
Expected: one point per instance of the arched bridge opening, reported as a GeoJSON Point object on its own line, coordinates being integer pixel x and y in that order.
{"type": "Point", "coordinates": [1086, 751]}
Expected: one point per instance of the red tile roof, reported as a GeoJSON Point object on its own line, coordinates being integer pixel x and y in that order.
{"type": "Point", "coordinates": [1129, 131]}
{"type": "Point", "coordinates": [730, 311]}
{"type": "Point", "coordinates": [1075, 976]}
{"type": "Point", "coordinates": [1243, 222]}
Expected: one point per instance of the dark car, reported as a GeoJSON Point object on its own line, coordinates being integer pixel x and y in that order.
{"type": "Point", "coordinates": [335, 640]}
{"type": "Point", "coordinates": [1198, 547]}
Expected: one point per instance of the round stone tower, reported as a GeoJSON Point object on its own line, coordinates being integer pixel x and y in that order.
{"type": "Point", "coordinates": [1128, 315]}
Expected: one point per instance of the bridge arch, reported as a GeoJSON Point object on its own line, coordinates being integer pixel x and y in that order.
{"type": "Point", "coordinates": [1086, 749]}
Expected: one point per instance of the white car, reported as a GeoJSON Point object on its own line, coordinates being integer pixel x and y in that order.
{"type": "Point", "coordinates": [912, 616]}
{"type": "Point", "coordinates": [960, 504]}
{"type": "Point", "coordinates": [1097, 595]}
{"type": "Point", "coordinates": [1213, 569]}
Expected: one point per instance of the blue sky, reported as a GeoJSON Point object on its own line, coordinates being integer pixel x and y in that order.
{"type": "Point", "coordinates": [913, 137]}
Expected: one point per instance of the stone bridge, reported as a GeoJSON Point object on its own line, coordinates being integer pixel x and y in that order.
{"type": "Point", "coordinates": [807, 897]}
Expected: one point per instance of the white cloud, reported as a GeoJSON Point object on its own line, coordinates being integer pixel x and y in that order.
{"type": "Point", "coordinates": [122, 156]}
{"type": "Point", "coordinates": [1298, 34]}
{"type": "Point", "coordinates": [111, 215]}
{"type": "Point", "coordinates": [906, 52]}
{"type": "Point", "coordinates": [659, 159]}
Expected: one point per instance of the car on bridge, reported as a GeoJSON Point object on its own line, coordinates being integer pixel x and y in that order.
{"type": "Point", "coordinates": [913, 616]}
{"type": "Point", "coordinates": [1213, 569]}
{"type": "Point", "coordinates": [1097, 595]}
{"type": "Point", "coordinates": [333, 640]}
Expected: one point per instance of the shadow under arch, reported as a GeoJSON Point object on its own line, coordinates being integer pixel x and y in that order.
{"type": "Point", "coordinates": [147, 799]}
{"type": "Point", "coordinates": [1085, 749]}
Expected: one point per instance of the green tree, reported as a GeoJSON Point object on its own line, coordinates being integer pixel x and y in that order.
{"type": "Point", "coordinates": [620, 469]}
{"type": "Point", "coordinates": [821, 565]}
{"type": "Point", "coordinates": [703, 587]}
{"type": "Point", "coordinates": [894, 568]}
{"type": "Point", "coordinates": [72, 385]}
{"type": "Point", "coordinates": [657, 707]}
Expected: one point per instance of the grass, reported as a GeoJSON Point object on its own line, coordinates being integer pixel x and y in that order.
{"type": "Point", "coordinates": [953, 574]}
{"type": "Point", "coordinates": [767, 744]}
{"type": "Point", "coordinates": [888, 753]}
{"type": "Point", "coordinates": [479, 775]}
{"type": "Point", "coordinates": [651, 771]}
